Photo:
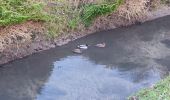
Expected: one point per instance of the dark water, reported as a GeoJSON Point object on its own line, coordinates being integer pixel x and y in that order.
{"type": "Point", "coordinates": [135, 57]}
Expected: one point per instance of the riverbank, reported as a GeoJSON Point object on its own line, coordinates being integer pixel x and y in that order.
{"type": "Point", "coordinates": [20, 40]}
{"type": "Point", "coordinates": [160, 91]}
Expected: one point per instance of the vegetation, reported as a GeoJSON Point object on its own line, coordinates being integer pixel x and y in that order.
{"type": "Point", "coordinates": [59, 15]}
{"type": "Point", "coordinates": [17, 11]}
{"type": "Point", "coordinates": [91, 11]}
{"type": "Point", "coordinates": [161, 91]}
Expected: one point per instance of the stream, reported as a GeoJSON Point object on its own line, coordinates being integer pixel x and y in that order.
{"type": "Point", "coordinates": [135, 57]}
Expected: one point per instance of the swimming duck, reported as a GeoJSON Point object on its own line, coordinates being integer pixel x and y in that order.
{"type": "Point", "coordinates": [101, 45]}
{"type": "Point", "coordinates": [78, 51]}
{"type": "Point", "coordinates": [83, 46]}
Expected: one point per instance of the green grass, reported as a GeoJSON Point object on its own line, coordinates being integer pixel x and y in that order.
{"type": "Point", "coordinates": [74, 23]}
{"type": "Point", "coordinates": [59, 18]}
{"type": "Point", "coordinates": [17, 11]}
{"type": "Point", "coordinates": [92, 11]}
{"type": "Point", "coordinates": [161, 91]}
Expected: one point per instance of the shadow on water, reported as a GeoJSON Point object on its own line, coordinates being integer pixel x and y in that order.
{"type": "Point", "coordinates": [135, 57]}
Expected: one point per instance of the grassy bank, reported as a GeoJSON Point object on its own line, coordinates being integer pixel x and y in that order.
{"type": "Point", "coordinates": [59, 16]}
{"type": "Point", "coordinates": [161, 91]}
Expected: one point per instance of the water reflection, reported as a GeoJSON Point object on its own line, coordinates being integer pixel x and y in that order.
{"type": "Point", "coordinates": [78, 78]}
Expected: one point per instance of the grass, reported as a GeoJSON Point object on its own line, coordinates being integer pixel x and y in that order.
{"type": "Point", "coordinates": [59, 17]}
{"type": "Point", "coordinates": [92, 11]}
{"type": "Point", "coordinates": [56, 17]}
{"type": "Point", "coordinates": [161, 91]}
{"type": "Point", "coordinates": [17, 11]}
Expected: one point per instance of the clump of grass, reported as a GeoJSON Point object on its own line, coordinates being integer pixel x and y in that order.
{"type": "Point", "coordinates": [161, 91]}
{"type": "Point", "coordinates": [91, 11]}
{"type": "Point", "coordinates": [17, 11]}
{"type": "Point", "coordinates": [74, 23]}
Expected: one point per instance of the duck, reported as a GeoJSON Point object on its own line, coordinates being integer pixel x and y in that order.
{"type": "Point", "coordinates": [101, 45]}
{"type": "Point", "coordinates": [83, 46]}
{"type": "Point", "coordinates": [78, 51]}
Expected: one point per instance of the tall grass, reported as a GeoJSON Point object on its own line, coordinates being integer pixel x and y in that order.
{"type": "Point", "coordinates": [17, 11]}
{"type": "Point", "coordinates": [91, 11]}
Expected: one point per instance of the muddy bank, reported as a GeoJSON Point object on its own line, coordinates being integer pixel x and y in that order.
{"type": "Point", "coordinates": [28, 38]}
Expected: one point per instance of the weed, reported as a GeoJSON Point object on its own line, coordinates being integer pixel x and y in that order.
{"type": "Point", "coordinates": [91, 11]}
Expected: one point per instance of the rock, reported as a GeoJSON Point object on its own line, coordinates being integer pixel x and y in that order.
{"type": "Point", "coordinates": [101, 45]}
{"type": "Point", "coordinates": [78, 51]}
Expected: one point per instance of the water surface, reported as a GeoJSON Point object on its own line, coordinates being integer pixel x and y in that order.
{"type": "Point", "coordinates": [135, 57]}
